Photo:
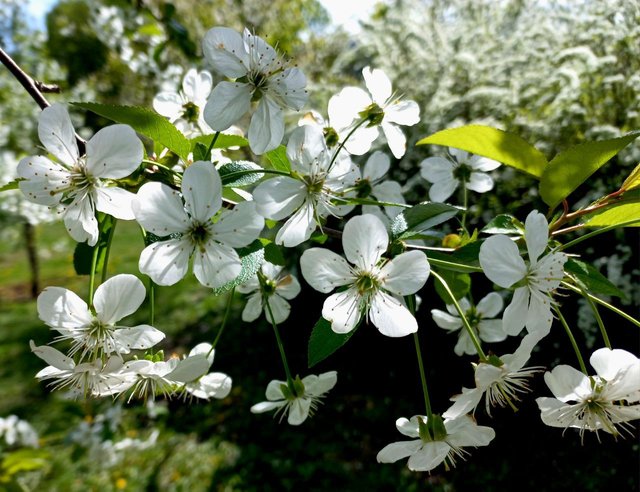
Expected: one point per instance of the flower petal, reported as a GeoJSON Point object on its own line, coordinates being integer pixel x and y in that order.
{"type": "Point", "coordinates": [267, 406]}
{"type": "Point", "coordinates": [405, 113]}
{"type": "Point", "coordinates": [325, 270]}
{"type": "Point", "coordinates": [267, 126]}
{"type": "Point", "coordinates": [482, 164]}
{"type": "Point", "coordinates": [298, 411]}
{"type": "Point", "coordinates": [536, 235]}
{"type": "Point", "coordinates": [52, 356]}
{"type": "Point", "coordinates": [289, 86]}
{"type": "Point", "coordinates": [399, 450]}
{"type": "Point", "coordinates": [217, 265]}
{"type": "Point", "coordinates": [479, 182]}
{"type": "Point", "coordinates": [463, 431]}
{"type": "Point", "coordinates": [431, 455]}
{"type": "Point", "coordinates": [56, 133]}
{"type": "Point", "coordinates": [555, 413]}
{"type": "Point", "coordinates": [114, 152]}
{"type": "Point", "coordinates": [279, 197]}
{"type": "Point", "coordinates": [159, 210]}
{"type": "Point", "coordinates": [298, 228]}
{"type": "Point", "coordinates": [464, 402]}
{"type": "Point", "coordinates": [228, 102]}
{"type": "Point", "coordinates": [491, 330]}
{"type": "Point", "coordinates": [319, 385]}
{"type": "Point", "coordinates": [139, 337]}
{"type": "Point", "coordinates": [406, 273]}
{"type": "Point", "coordinates": [377, 166]}
{"type": "Point", "coordinates": [288, 287]}
{"type": "Point", "coordinates": [442, 190]}
{"type": "Point", "coordinates": [391, 317]}
{"type": "Point", "coordinates": [342, 310]}
{"type": "Point", "coordinates": [410, 428]}
{"type": "Point", "coordinates": [225, 50]}
{"type": "Point", "coordinates": [490, 305]}
{"type": "Point", "coordinates": [238, 227]}
{"type": "Point", "coordinates": [118, 297]}
{"type": "Point", "coordinates": [344, 107]}
{"type": "Point", "coordinates": [166, 262]}
{"type": "Point", "coordinates": [501, 261]}
{"type": "Point", "coordinates": [436, 169]}
{"type": "Point", "coordinates": [168, 104]}
{"type": "Point", "coordinates": [515, 315]}
{"type": "Point", "coordinates": [80, 220]}
{"type": "Point", "coordinates": [62, 308]}
{"type": "Point", "coordinates": [197, 85]}
{"type": "Point", "coordinates": [445, 320]}
{"type": "Point", "coordinates": [42, 178]}
{"type": "Point", "coordinates": [378, 85]}
{"type": "Point", "coordinates": [539, 317]}
{"type": "Point", "coordinates": [115, 201]}
{"type": "Point", "coordinates": [253, 309]}
{"type": "Point", "coordinates": [279, 307]}
{"type": "Point", "coordinates": [202, 191]}
{"type": "Point", "coordinates": [395, 139]}
{"type": "Point", "coordinates": [365, 239]}
{"type": "Point", "coordinates": [361, 140]}
{"type": "Point", "coordinates": [567, 383]}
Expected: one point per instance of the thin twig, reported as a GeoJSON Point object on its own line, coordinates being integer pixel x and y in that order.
{"type": "Point", "coordinates": [33, 88]}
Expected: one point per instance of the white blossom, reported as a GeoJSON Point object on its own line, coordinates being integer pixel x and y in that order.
{"type": "Point", "coordinates": [480, 319]}
{"type": "Point", "coordinates": [298, 402]}
{"type": "Point", "coordinates": [432, 448]}
{"type": "Point", "coordinates": [186, 221]}
{"type": "Point", "coordinates": [501, 262]}
{"type": "Point", "coordinates": [374, 284]}
{"type": "Point", "coordinates": [306, 197]}
{"type": "Point", "coordinates": [81, 184]}
{"type": "Point", "coordinates": [276, 287]}
{"type": "Point", "coordinates": [605, 401]}
{"type": "Point", "coordinates": [446, 173]}
{"type": "Point", "coordinates": [260, 75]}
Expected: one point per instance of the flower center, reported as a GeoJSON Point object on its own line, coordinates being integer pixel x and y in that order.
{"type": "Point", "coordinates": [373, 114]}
{"type": "Point", "coordinates": [199, 235]}
{"type": "Point", "coordinates": [363, 188]}
{"type": "Point", "coordinates": [462, 173]}
{"type": "Point", "coordinates": [331, 136]}
{"type": "Point", "coordinates": [314, 184]}
{"type": "Point", "coordinates": [367, 283]}
{"type": "Point", "coordinates": [190, 112]}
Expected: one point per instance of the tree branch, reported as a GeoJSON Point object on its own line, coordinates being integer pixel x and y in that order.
{"type": "Point", "coordinates": [34, 88]}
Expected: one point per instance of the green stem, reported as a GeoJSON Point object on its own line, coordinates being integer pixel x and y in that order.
{"type": "Point", "coordinates": [465, 321]}
{"type": "Point", "coordinates": [224, 320]}
{"type": "Point", "coordinates": [447, 265]}
{"type": "Point", "coordinates": [603, 330]}
{"type": "Point", "coordinates": [597, 300]}
{"type": "Point", "coordinates": [213, 142]}
{"type": "Point", "coordinates": [411, 304]}
{"type": "Point", "coordinates": [114, 221]}
{"type": "Point", "coordinates": [368, 201]}
{"type": "Point", "coordinates": [341, 145]}
{"type": "Point", "coordinates": [283, 356]}
{"type": "Point", "coordinates": [595, 233]}
{"type": "Point", "coordinates": [152, 301]}
{"type": "Point", "coordinates": [159, 164]}
{"type": "Point", "coordinates": [92, 277]}
{"type": "Point", "coordinates": [572, 339]}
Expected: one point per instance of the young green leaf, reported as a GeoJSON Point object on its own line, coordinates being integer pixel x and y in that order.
{"type": "Point", "coordinates": [459, 283]}
{"type": "Point", "coordinates": [11, 185]}
{"type": "Point", "coordinates": [223, 141]}
{"type": "Point", "coordinates": [234, 174]}
{"type": "Point", "coordinates": [624, 212]}
{"type": "Point", "coordinates": [251, 263]}
{"type": "Point", "coordinates": [633, 180]}
{"type": "Point", "coordinates": [278, 159]}
{"type": "Point", "coordinates": [145, 122]}
{"type": "Point", "coordinates": [419, 218]}
{"type": "Point", "coordinates": [505, 147]}
{"type": "Point", "coordinates": [324, 341]}
{"type": "Point", "coordinates": [590, 279]}
{"type": "Point", "coordinates": [504, 224]}
{"type": "Point", "coordinates": [571, 168]}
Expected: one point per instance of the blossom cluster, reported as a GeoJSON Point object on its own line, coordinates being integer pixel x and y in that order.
{"type": "Point", "coordinates": [190, 224]}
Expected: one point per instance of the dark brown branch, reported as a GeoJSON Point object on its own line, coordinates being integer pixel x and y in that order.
{"type": "Point", "coordinates": [33, 88]}
{"type": "Point", "coordinates": [51, 88]}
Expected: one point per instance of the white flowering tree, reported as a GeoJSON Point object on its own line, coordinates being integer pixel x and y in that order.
{"type": "Point", "coordinates": [246, 226]}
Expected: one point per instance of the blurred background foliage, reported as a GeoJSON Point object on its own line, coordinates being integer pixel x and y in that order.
{"type": "Point", "coordinates": [555, 72]}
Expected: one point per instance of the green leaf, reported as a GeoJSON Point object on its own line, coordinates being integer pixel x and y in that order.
{"type": "Point", "coordinates": [590, 279]}
{"type": "Point", "coordinates": [420, 217]}
{"type": "Point", "coordinates": [251, 263]}
{"type": "Point", "coordinates": [25, 460]}
{"type": "Point", "coordinates": [324, 341]}
{"type": "Point", "coordinates": [223, 141]}
{"type": "Point", "coordinates": [508, 148]}
{"type": "Point", "coordinates": [571, 168]}
{"type": "Point", "coordinates": [278, 159]}
{"type": "Point", "coordinates": [504, 224]}
{"type": "Point", "coordinates": [462, 260]}
{"type": "Point", "coordinates": [633, 180]}
{"type": "Point", "coordinates": [459, 283]}
{"type": "Point", "coordinates": [623, 211]}
{"type": "Point", "coordinates": [241, 179]}
{"type": "Point", "coordinates": [145, 122]}
{"type": "Point", "coordinates": [273, 254]}
{"type": "Point", "coordinates": [11, 185]}
{"type": "Point", "coordinates": [200, 152]}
